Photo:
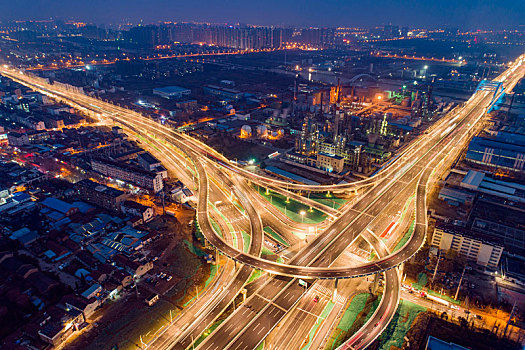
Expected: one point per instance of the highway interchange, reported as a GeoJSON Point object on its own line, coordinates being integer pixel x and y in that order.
{"type": "Point", "coordinates": [415, 170]}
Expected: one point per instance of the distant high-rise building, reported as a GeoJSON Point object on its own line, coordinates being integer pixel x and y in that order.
{"type": "Point", "coordinates": [391, 31]}
{"type": "Point", "coordinates": [144, 36]}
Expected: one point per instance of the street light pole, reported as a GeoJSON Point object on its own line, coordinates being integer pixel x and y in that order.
{"type": "Point", "coordinates": [459, 284]}
{"type": "Point", "coordinates": [436, 268]}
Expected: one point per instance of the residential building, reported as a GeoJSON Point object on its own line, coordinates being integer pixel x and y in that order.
{"type": "Point", "coordinates": [136, 209]}
{"type": "Point", "coordinates": [474, 246]}
{"type": "Point", "coordinates": [125, 172]}
{"type": "Point", "coordinates": [147, 161]}
{"type": "Point", "coordinates": [15, 139]}
{"type": "Point", "coordinates": [502, 222]}
{"type": "Point", "coordinates": [132, 267]}
{"type": "Point", "coordinates": [101, 195]}
{"type": "Point", "coordinates": [150, 163]}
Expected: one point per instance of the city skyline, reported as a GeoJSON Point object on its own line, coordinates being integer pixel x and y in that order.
{"type": "Point", "coordinates": [471, 14]}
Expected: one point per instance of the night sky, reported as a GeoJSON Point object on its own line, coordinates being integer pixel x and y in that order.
{"type": "Point", "coordinates": [468, 14]}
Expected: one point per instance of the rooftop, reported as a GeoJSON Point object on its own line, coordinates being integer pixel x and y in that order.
{"type": "Point", "coordinates": [457, 230]}
{"type": "Point", "coordinates": [170, 89]}
{"type": "Point", "coordinates": [110, 191]}
{"type": "Point", "coordinates": [478, 181]}
{"type": "Point", "coordinates": [289, 175]}
{"type": "Point", "coordinates": [438, 344]}
{"type": "Point", "coordinates": [125, 167]}
{"type": "Point", "coordinates": [148, 158]}
{"type": "Point", "coordinates": [57, 205]}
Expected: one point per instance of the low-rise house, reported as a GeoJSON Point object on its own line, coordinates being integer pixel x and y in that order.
{"type": "Point", "coordinates": [42, 283]}
{"type": "Point", "coordinates": [92, 291]}
{"type": "Point", "coordinates": [182, 195]}
{"type": "Point", "coordinates": [26, 270]}
{"type": "Point", "coordinates": [57, 210]}
{"type": "Point", "coordinates": [98, 276]}
{"type": "Point", "coordinates": [152, 299]}
{"type": "Point", "coordinates": [122, 278]}
{"type": "Point", "coordinates": [4, 256]}
{"type": "Point", "coordinates": [132, 267]}
{"type": "Point", "coordinates": [60, 324]}
{"type": "Point", "coordinates": [86, 306]}
{"type": "Point", "coordinates": [137, 209]}
{"type": "Point", "coordinates": [86, 258]}
{"type": "Point", "coordinates": [56, 252]}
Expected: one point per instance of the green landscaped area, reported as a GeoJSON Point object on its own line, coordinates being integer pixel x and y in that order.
{"type": "Point", "coordinates": [394, 334]}
{"type": "Point", "coordinates": [328, 199]}
{"type": "Point", "coordinates": [357, 310]}
{"type": "Point", "coordinates": [275, 235]}
{"type": "Point", "coordinates": [408, 234]}
{"type": "Point", "coordinates": [266, 253]}
{"type": "Point", "coordinates": [216, 227]}
{"type": "Point", "coordinates": [291, 208]}
{"type": "Point", "coordinates": [446, 297]}
{"type": "Point", "coordinates": [421, 281]}
{"type": "Point", "coordinates": [406, 237]}
{"type": "Point", "coordinates": [246, 238]}
{"type": "Point", "coordinates": [255, 275]}
{"type": "Point", "coordinates": [372, 256]}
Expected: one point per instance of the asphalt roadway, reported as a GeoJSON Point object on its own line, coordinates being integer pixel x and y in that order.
{"type": "Point", "coordinates": [283, 298]}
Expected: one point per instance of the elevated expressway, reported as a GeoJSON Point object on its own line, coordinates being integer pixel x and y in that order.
{"type": "Point", "coordinates": [246, 328]}
{"type": "Point", "coordinates": [345, 230]}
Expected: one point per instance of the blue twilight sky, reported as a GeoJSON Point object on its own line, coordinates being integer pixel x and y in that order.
{"type": "Point", "coordinates": [464, 13]}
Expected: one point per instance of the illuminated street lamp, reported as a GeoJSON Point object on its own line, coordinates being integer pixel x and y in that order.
{"type": "Point", "coordinates": [303, 213]}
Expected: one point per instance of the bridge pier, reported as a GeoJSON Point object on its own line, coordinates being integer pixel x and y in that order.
{"type": "Point", "coordinates": [400, 270]}
{"type": "Point", "coordinates": [376, 283]}
{"type": "Point", "coordinates": [334, 295]}
{"type": "Point", "coordinates": [243, 292]}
